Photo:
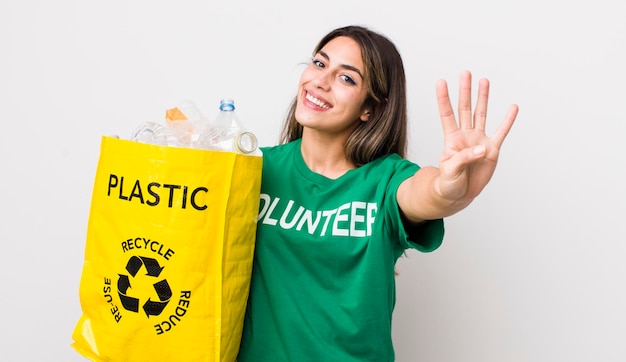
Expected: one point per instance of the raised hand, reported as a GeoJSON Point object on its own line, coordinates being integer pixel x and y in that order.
{"type": "Point", "coordinates": [469, 158]}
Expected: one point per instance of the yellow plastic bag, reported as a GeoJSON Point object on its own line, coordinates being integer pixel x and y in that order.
{"type": "Point", "coordinates": [168, 254]}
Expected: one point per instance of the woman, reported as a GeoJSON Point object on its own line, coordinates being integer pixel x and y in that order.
{"type": "Point", "coordinates": [340, 204]}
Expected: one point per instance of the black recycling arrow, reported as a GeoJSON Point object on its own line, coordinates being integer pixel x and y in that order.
{"type": "Point", "coordinates": [123, 283]}
{"type": "Point", "coordinates": [153, 268]}
{"type": "Point", "coordinates": [129, 303]}
{"type": "Point", "coordinates": [153, 308]}
{"type": "Point", "coordinates": [133, 265]}
{"type": "Point", "coordinates": [164, 293]}
{"type": "Point", "coordinates": [163, 290]}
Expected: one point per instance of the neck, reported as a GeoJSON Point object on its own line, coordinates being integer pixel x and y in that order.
{"type": "Point", "coordinates": [327, 158]}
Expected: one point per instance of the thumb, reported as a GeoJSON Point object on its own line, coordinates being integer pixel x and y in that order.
{"type": "Point", "coordinates": [457, 164]}
{"type": "Point", "coordinates": [470, 155]}
{"type": "Point", "coordinates": [479, 151]}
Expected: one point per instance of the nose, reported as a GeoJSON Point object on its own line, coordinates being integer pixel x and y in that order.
{"type": "Point", "coordinates": [322, 80]}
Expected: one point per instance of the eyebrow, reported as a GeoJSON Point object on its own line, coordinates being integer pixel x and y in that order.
{"type": "Point", "coordinates": [345, 66]}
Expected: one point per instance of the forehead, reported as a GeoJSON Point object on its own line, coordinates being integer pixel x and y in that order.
{"type": "Point", "coordinates": [343, 50]}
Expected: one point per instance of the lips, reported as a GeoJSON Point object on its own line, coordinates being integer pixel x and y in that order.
{"type": "Point", "coordinates": [316, 101]}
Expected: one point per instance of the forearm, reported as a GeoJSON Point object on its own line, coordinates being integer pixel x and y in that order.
{"type": "Point", "coordinates": [420, 199]}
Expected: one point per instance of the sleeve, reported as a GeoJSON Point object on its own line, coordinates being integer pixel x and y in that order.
{"type": "Point", "coordinates": [426, 236]}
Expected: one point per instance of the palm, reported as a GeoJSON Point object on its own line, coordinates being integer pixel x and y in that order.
{"type": "Point", "coordinates": [469, 158]}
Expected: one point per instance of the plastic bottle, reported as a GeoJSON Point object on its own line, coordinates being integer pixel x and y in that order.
{"type": "Point", "coordinates": [156, 134]}
{"type": "Point", "coordinates": [186, 121]}
{"type": "Point", "coordinates": [227, 133]}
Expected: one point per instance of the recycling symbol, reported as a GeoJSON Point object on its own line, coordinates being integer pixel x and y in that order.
{"type": "Point", "coordinates": [161, 287]}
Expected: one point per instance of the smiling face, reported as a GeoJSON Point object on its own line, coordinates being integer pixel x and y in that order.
{"type": "Point", "coordinates": [332, 90]}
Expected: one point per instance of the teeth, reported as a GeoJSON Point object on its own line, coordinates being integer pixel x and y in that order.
{"type": "Point", "coordinates": [318, 102]}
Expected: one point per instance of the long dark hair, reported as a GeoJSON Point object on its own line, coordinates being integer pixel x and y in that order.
{"type": "Point", "coordinates": [386, 130]}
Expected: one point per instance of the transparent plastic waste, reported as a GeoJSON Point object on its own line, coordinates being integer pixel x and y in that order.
{"type": "Point", "coordinates": [156, 134]}
{"type": "Point", "coordinates": [186, 121]}
{"type": "Point", "coordinates": [227, 133]}
{"type": "Point", "coordinates": [182, 126]}
{"type": "Point", "coordinates": [186, 126]}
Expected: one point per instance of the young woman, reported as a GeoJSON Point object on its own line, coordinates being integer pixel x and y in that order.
{"type": "Point", "coordinates": [340, 204]}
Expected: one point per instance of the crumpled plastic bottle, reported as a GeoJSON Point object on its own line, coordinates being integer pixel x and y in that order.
{"type": "Point", "coordinates": [186, 121]}
{"type": "Point", "coordinates": [156, 134]}
{"type": "Point", "coordinates": [186, 126]}
{"type": "Point", "coordinates": [227, 133]}
{"type": "Point", "coordinates": [181, 128]}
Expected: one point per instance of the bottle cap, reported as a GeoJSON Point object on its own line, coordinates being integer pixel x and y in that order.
{"type": "Point", "coordinates": [227, 104]}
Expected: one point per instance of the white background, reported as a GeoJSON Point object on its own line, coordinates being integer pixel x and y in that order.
{"type": "Point", "coordinates": [533, 270]}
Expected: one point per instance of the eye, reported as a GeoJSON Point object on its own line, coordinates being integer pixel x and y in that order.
{"type": "Point", "coordinates": [347, 79]}
{"type": "Point", "coordinates": [318, 63]}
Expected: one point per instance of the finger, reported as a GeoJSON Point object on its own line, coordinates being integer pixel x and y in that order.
{"type": "Point", "coordinates": [458, 163]}
{"type": "Point", "coordinates": [480, 114]}
{"type": "Point", "coordinates": [445, 107]}
{"type": "Point", "coordinates": [503, 129]}
{"type": "Point", "coordinates": [465, 100]}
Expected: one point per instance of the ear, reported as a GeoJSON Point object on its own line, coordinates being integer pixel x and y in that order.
{"type": "Point", "coordinates": [365, 116]}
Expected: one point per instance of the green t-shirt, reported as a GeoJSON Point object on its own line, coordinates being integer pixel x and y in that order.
{"type": "Point", "coordinates": [323, 282]}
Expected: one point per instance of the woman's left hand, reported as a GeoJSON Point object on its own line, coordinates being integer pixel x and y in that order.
{"type": "Point", "coordinates": [469, 158]}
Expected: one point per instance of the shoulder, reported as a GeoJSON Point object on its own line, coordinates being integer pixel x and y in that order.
{"type": "Point", "coordinates": [392, 164]}
{"type": "Point", "coordinates": [282, 148]}
{"type": "Point", "coordinates": [280, 152]}
{"type": "Point", "coordinates": [280, 157]}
